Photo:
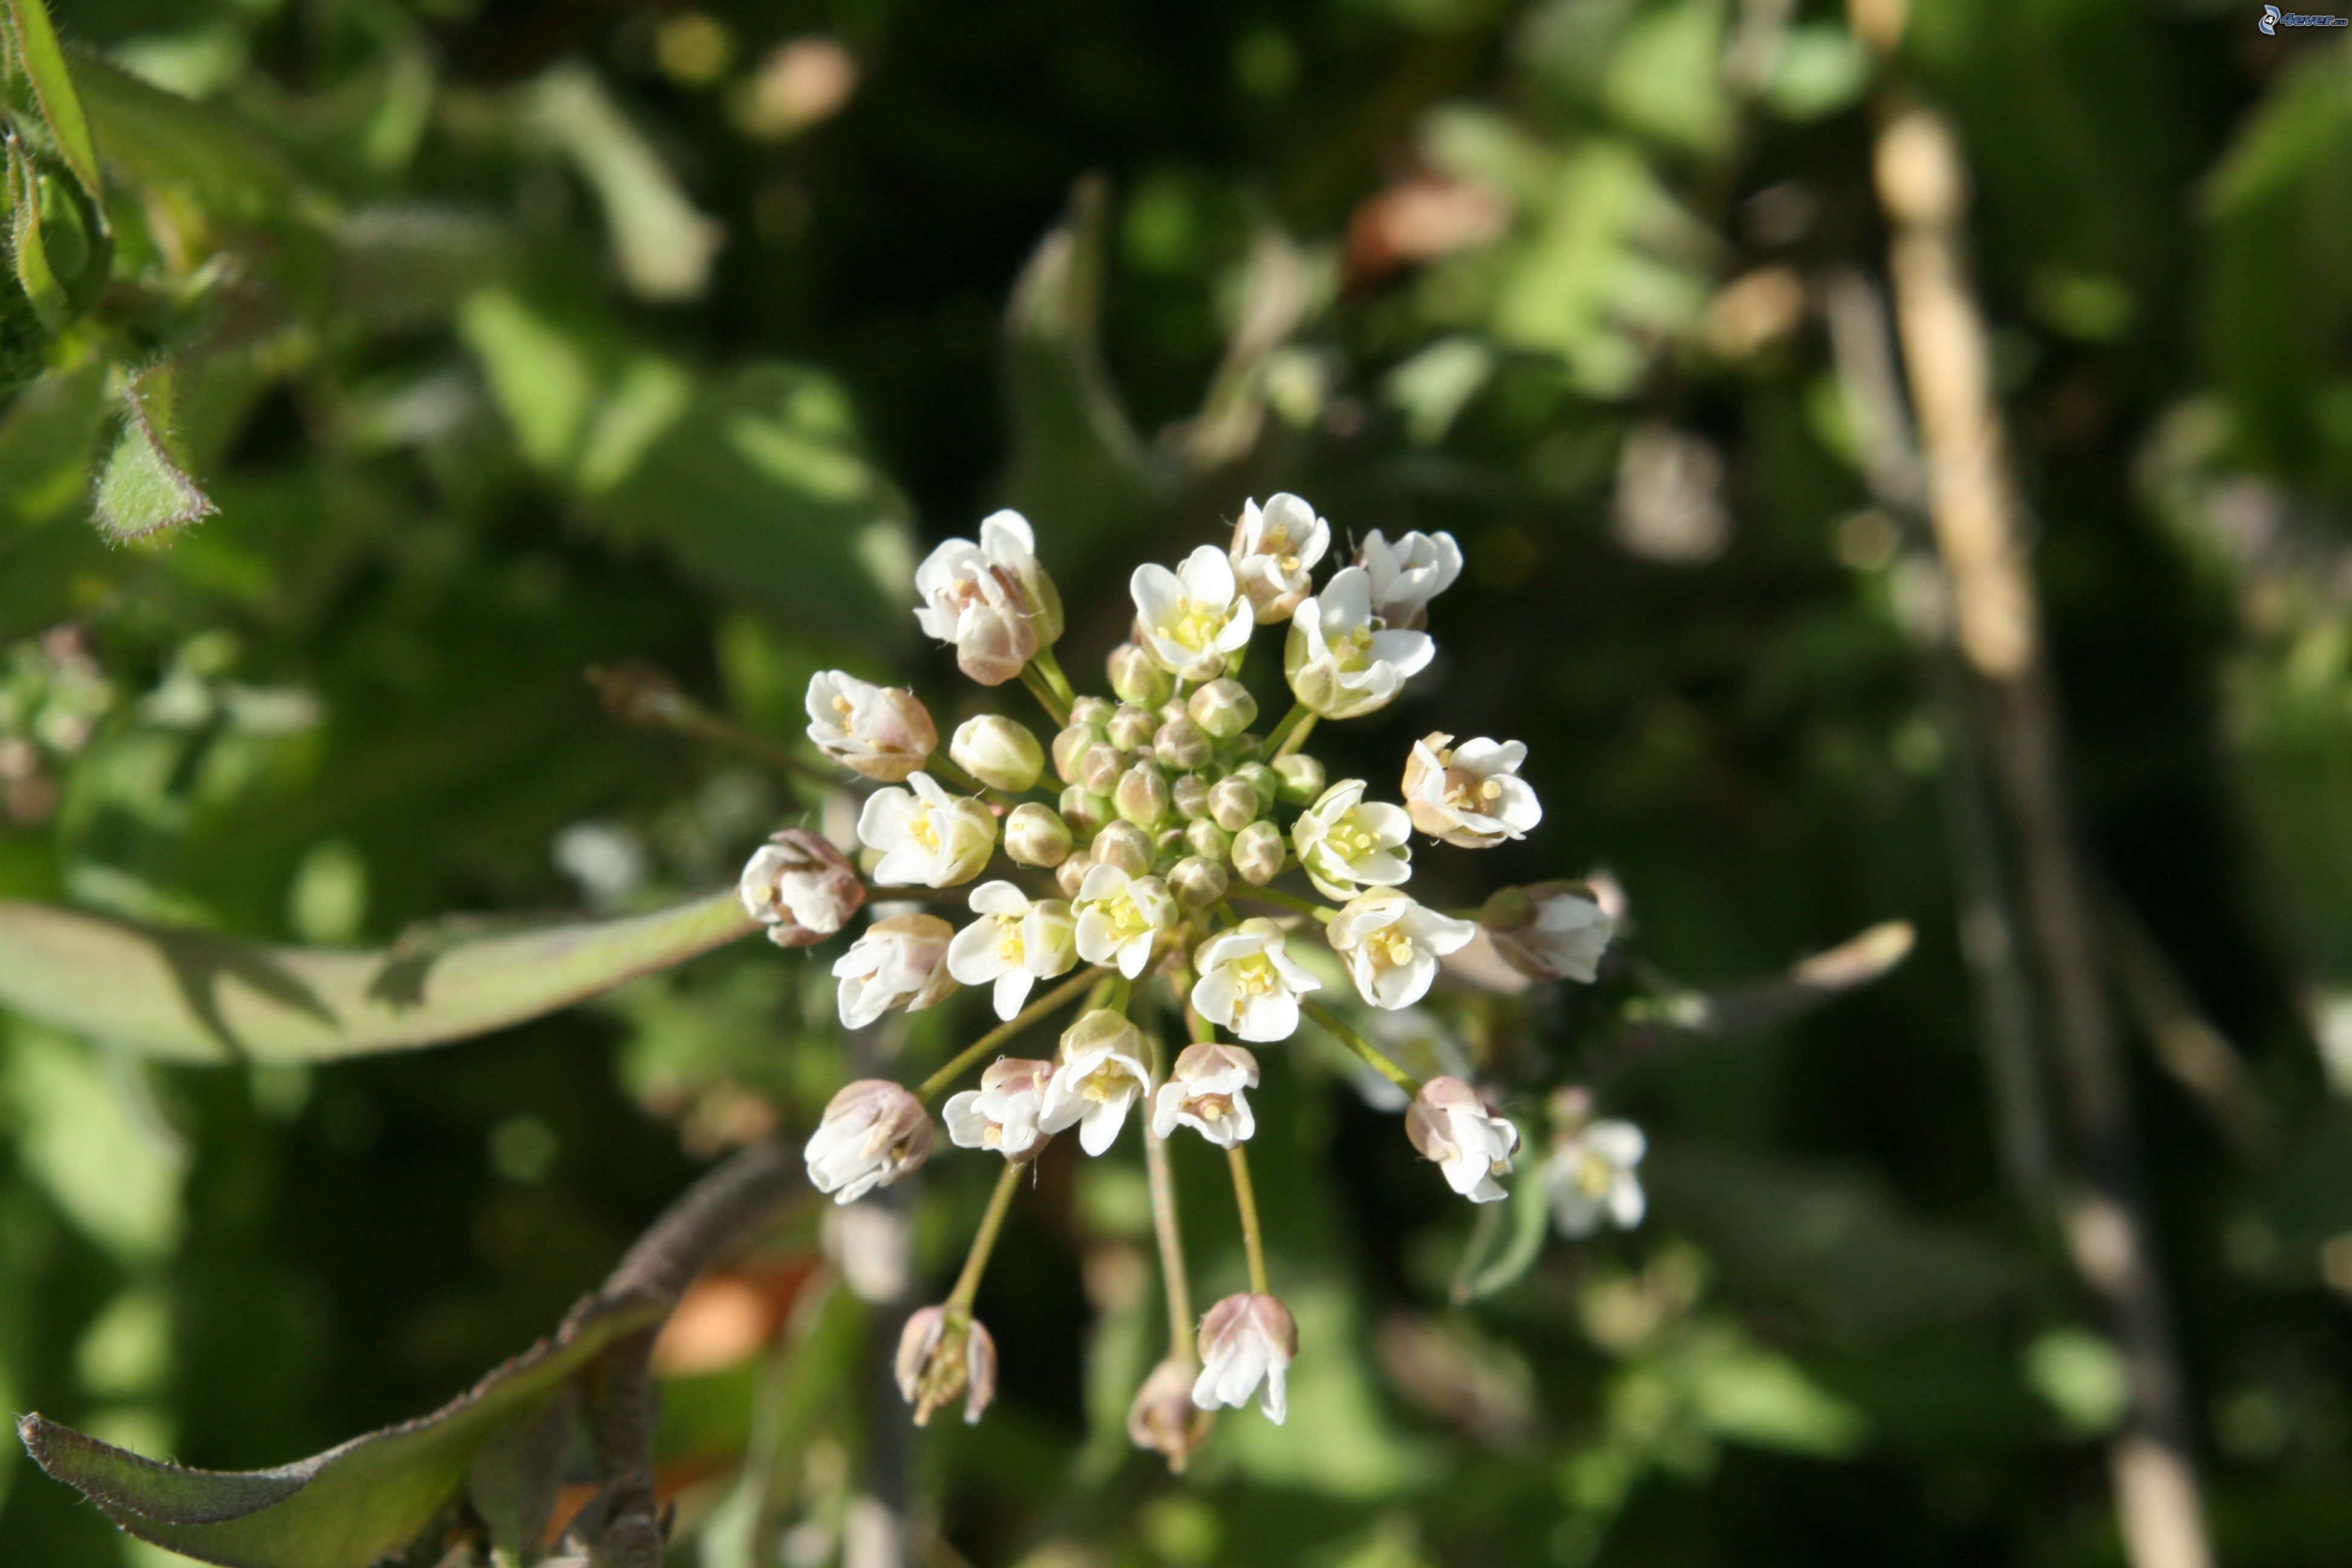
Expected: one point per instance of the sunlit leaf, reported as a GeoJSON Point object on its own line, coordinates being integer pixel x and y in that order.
{"type": "Point", "coordinates": [663, 246]}
{"type": "Point", "coordinates": [36, 51]}
{"type": "Point", "coordinates": [188, 995]}
{"type": "Point", "coordinates": [144, 490]}
{"type": "Point", "coordinates": [347, 1507]}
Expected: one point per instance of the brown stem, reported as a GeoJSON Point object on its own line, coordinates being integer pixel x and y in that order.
{"type": "Point", "coordinates": [1922, 185]}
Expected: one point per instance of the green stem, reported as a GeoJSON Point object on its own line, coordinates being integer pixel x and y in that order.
{"type": "Point", "coordinates": [1174, 1280]}
{"type": "Point", "coordinates": [1056, 709]}
{"type": "Point", "coordinates": [1245, 1198]}
{"type": "Point", "coordinates": [1323, 913]}
{"type": "Point", "coordinates": [1051, 668]}
{"type": "Point", "coordinates": [1277, 739]}
{"type": "Point", "coordinates": [1295, 739]}
{"type": "Point", "coordinates": [1002, 1032]}
{"type": "Point", "coordinates": [1331, 1025]}
{"type": "Point", "coordinates": [975, 1264]}
{"type": "Point", "coordinates": [939, 766]}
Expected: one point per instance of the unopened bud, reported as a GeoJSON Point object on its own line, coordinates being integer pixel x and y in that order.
{"type": "Point", "coordinates": [871, 1133]}
{"type": "Point", "coordinates": [1197, 881]}
{"type": "Point", "coordinates": [1223, 708]}
{"type": "Point", "coordinates": [1189, 793]}
{"type": "Point", "coordinates": [1142, 795]}
{"type": "Point", "coordinates": [1245, 748]}
{"type": "Point", "coordinates": [1180, 744]}
{"type": "Point", "coordinates": [1069, 747]}
{"type": "Point", "coordinates": [943, 1355]}
{"type": "Point", "coordinates": [1099, 768]}
{"type": "Point", "coordinates": [1262, 779]}
{"type": "Point", "coordinates": [1125, 846]}
{"type": "Point", "coordinates": [1167, 844]}
{"type": "Point", "coordinates": [1298, 778]}
{"type": "Point", "coordinates": [1085, 811]}
{"type": "Point", "coordinates": [1209, 841]}
{"type": "Point", "coordinates": [1000, 752]}
{"type": "Point", "coordinates": [1163, 1417]}
{"type": "Point", "coordinates": [1233, 804]}
{"type": "Point", "coordinates": [1036, 835]}
{"type": "Point", "coordinates": [800, 887]}
{"type": "Point", "coordinates": [1258, 853]}
{"type": "Point", "coordinates": [1550, 931]}
{"type": "Point", "coordinates": [1092, 711]}
{"type": "Point", "coordinates": [1137, 678]}
{"type": "Point", "coordinates": [1130, 727]}
{"type": "Point", "coordinates": [1071, 874]}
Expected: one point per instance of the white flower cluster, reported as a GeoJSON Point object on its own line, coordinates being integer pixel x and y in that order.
{"type": "Point", "coordinates": [1166, 807]}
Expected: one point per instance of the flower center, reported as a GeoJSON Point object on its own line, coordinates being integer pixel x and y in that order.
{"type": "Point", "coordinates": [1105, 1084]}
{"type": "Point", "coordinates": [1352, 648]}
{"type": "Point", "coordinates": [1125, 917]}
{"type": "Point", "coordinates": [1594, 1177]}
{"type": "Point", "coordinates": [842, 705]}
{"type": "Point", "coordinates": [1256, 976]}
{"type": "Point", "coordinates": [1008, 940]}
{"type": "Point", "coordinates": [1213, 1108]}
{"type": "Point", "coordinates": [923, 831]}
{"type": "Point", "coordinates": [1392, 948]}
{"type": "Point", "coordinates": [1197, 622]}
{"type": "Point", "coordinates": [1351, 838]}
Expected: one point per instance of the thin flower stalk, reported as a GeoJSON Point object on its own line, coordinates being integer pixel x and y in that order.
{"type": "Point", "coordinates": [983, 1241]}
{"type": "Point", "coordinates": [1373, 1056]}
{"type": "Point", "coordinates": [963, 1060]}
{"type": "Point", "coordinates": [1252, 1239]}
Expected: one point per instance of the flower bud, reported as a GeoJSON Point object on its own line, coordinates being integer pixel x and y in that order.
{"type": "Point", "coordinates": [873, 1132]}
{"type": "Point", "coordinates": [1298, 778]}
{"type": "Point", "coordinates": [1142, 795]}
{"type": "Point", "coordinates": [1036, 835]}
{"type": "Point", "coordinates": [1209, 841]}
{"type": "Point", "coordinates": [1085, 811]}
{"type": "Point", "coordinates": [1175, 708]}
{"type": "Point", "coordinates": [1069, 746]}
{"type": "Point", "coordinates": [1099, 767]}
{"type": "Point", "coordinates": [1130, 727]}
{"type": "Point", "coordinates": [1071, 874]}
{"type": "Point", "coordinates": [1262, 779]}
{"type": "Point", "coordinates": [1168, 842]}
{"type": "Point", "coordinates": [1550, 931]}
{"type": "Point", "coordinates": [882, 732]}
{"type": "Point", "coordinates": [1189, 793]}
{"type": "Point", "coordinates": [1180, 744]}
{"type": "Point", "coordinates": [1198, 881]}
{"type": "Point", "coordinates": [1246, 1340]}
{"type": "Point", "coordinates": [942, 1356]}
{"type": "Point", "coordinates": [1449, 1122]}
{"type": "Point", "coordinates": [1163, 1417]}
{"type": "Point", "coordinates": [1258, 853]}
{"type": "Point", "coordinates": [999, 751]}
{"type": "Point", "coordinates": [1092, 711]}
{"type": "Point", "coordinates": [1223, 708]}
{"type": "Point", "coordinates": [1242, 749]}
{"type": "Point", "coordinates": [800, 888]}
{"type": "Point", "coordinates": [1125, 846]}
{"type": "Point", "coordinates": [1137, 678]}
{"type": "Point", "coordinates": [1233, 804]}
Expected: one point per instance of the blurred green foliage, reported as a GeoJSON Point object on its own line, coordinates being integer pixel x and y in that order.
{"type": "Point", "coordinates": [411, 357]}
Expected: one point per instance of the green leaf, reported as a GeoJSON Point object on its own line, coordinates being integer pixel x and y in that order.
{"type": "Point", "coordinates": [1078, 466]}
{"type": "Point", "coordinates": [349, 1506]}
{"type": "Point", "coordinates": [30, 257]}
{"type": "Point", "coordinates": [161, 142]}
{"type": "Point", "coordinates": [143, 489]}
{"type": "Point", "coordinates": [44, 62]}
{"type": "Point", "coordinates": [188, 995]}
{"type": "Point", "coordinates": [664, 245]}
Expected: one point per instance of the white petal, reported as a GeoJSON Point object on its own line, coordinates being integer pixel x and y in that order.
{"type": "Point", "coordinates": [1012, 990]}
{"type": "Point", "coordinates": [1000, 899]}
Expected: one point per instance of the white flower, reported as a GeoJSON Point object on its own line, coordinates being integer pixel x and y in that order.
{"type": "Point", "coordinates": [1120, 917]}
{"type": "Point", "coordinates": [1101, 1074]}
{"type": "Point", "coordinates": [873, 1132]}
{"type": "Point", "coordinates": [1247, 1340]}
{"type": "Point", "coordinates": [800, 888]}
{"type": "Point", "coordinates": [926, 836]}
{"type": "Point", "coordinates": [1342, 661]}
{"type": "Point", "coordinates": [1014, 945]}
{"type": "Point", "coordinates": [1449, 1123]}
{"type": "Point", "coordinates": [1549, 930]}
{"type": "Point", "coordinates": [882, 732]}
{"type": "Point", "coordinates": [1470, 795]}
{"type": "Point", "coordinates": [1392, 945]}
{"type": "Point", "coordinates": [1206, 1091]}
{"type": "Point", "coordinates": [1248, 983]}
{"type": "Point", "coordinates": [1590, 1177]}
{"type": "Point", "coordinates": [990, 600]}
{"type": "Point", "coordinates": [900, 961]}
{"type": "Point", "coordinates": [1004, 1112]}
{"type": "Point", "coordinates": [1274, 550]}
{"type": "Point", "coordinates": [1190, 618]}
{"type": "Point", "coordinates": [1345, 842]}
{"type": "Point", "coordinates": [1409, 574]}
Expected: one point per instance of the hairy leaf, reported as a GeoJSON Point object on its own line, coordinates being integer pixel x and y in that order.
{"type": "Point", "coordinates": [349, 1506]}
{"type": "Point", "coordinates": [144, 490]}
{"type": "Point", "coordinates": [188, 995]}
{"type": "Point", "coordinates": [44, 62]}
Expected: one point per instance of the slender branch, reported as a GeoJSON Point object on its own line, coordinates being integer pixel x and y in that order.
{"type": "Point", "coordinates": [1056, 709]}
{"type": "Point", "coordinates": [1332, 1025]}
{"type": "Point", "coordinates": [1277, 739]}
{"type": "Point", "coordinates": [941, 766]}
{"type": "Point", "coordinates": [1055, 682]}
{"type": "Point", "coordinates": [1246, 1199]}
{"type": "Point", "coordinates": [1322, 912]}
{"type": "Point", "coordinates": [988, 1042]}
{"type": "Point", "coordinates": [642, 695]}
{"type": "Point", "coordinates": [983, 1241]}
{"type": "Point", "coordinates": [1168, 1231]}
{"type": "Point", "coordinates": [1293, 740]}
